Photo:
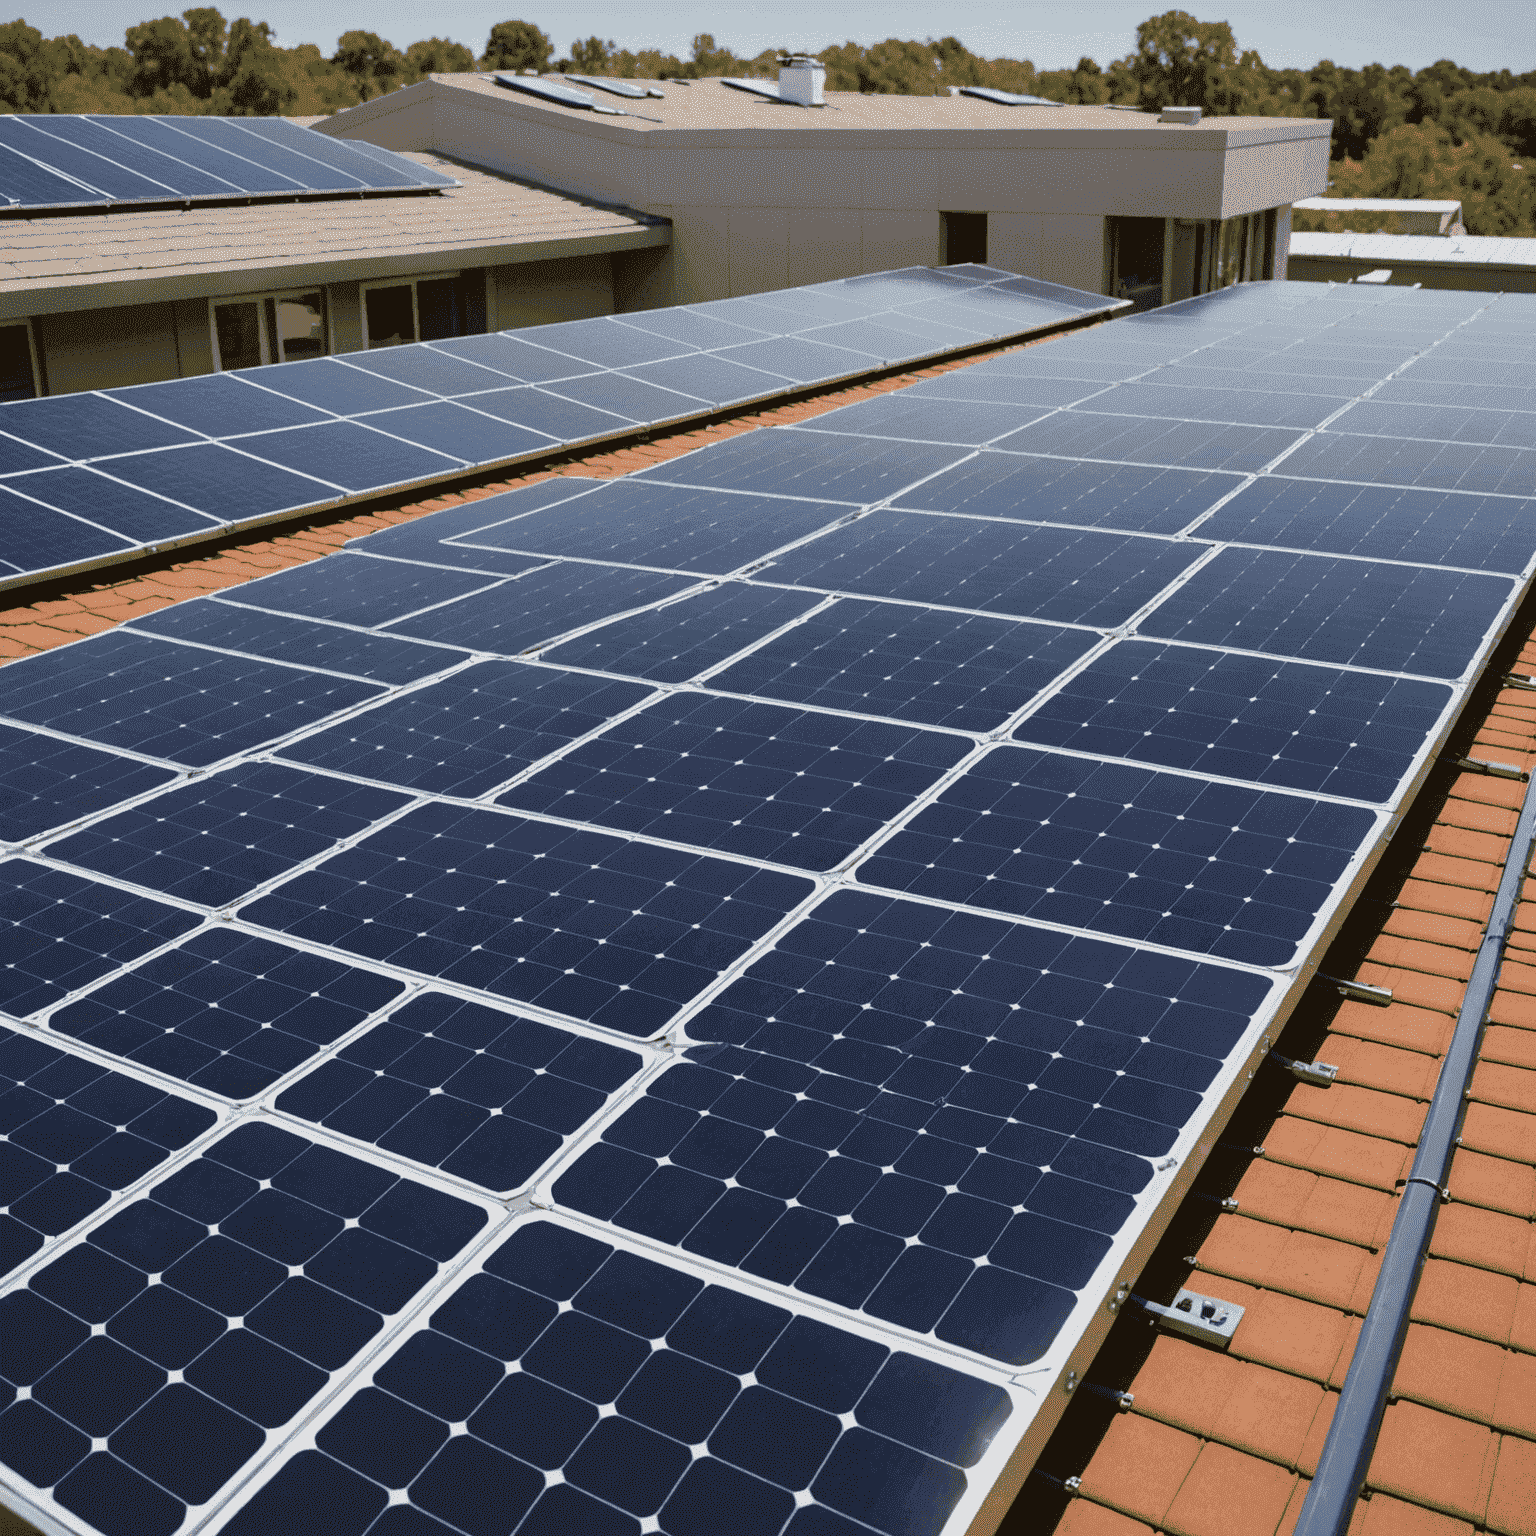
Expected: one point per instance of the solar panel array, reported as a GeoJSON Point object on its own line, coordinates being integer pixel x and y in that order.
{"type": "Point", "coordinates": [669, 1003]}
{"type": "Point", "coordinates": [55, 162]}
{"type": "Point", "coordinates": [90, 478]}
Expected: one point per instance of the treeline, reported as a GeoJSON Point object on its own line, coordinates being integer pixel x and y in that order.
{"type": "Point", "coordinates": [1443, 131]}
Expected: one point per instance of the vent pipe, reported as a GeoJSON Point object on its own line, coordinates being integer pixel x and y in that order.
{"type": "Point", "coordinates": [801, 80]}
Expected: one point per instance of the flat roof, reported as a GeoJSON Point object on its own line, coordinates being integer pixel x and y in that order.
{"type": "Point", "coordinates": [1378, 205]}
{"type": "Point", "coordinates": [88, 260]}
{"type": "Point", "coordinates": [1417, 250]}
{"type": "Point", "coordinates": [709, 106]}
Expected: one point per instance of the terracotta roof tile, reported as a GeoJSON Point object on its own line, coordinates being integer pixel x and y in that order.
{"type": "Point", "coordinates": [1512, 1501]}
{"type": "Point", "coordinates": [1230, 1494]}
{"type": "Point", "coordinates": [1513, 1008]}
{"type": "Point", "coordinates": [1385, 1516]}
{"type": "Point", "coordinates": [1435, 1459]}
{"type": "Point", "coordinates": [1244, 1249]}
{"type": "Point", "coordinates": [1284, 1331]}
{"type": "Point", "coordinates": [1363, 1110]}
{"type": "Point", "coordinates": [1398, 1024]}
{"type": "Point", "coordinates": [1269, 1191]}
{"type": "Point", "coordinates": [1522, 1324]}
{"type": "Point", "coordinates": [1515, 1407]}
{"type": "Point", "coordinates": [1269, 1414]}
{"type": "Point", "coordinates": [1514, 1047]}
{"type": "Point", "coordinates": [1435, 928]}
{"type": "Point", "coordinates": [1494, 1182]}
{"type": "Point", "coordinates": [1473, 874]}
{"type": "Point", "coordinates": [1452, 900]}
{"type": "Point", "coordinates": [1086, 1519]}
{"type": "Point", "coordinates": [1475, 816]}
{"type": "Point", "coordinates": [1512, 1087]}
{"type": "Point", "coordinates": [1139, 1467]}
{"type": "Point", "coordinates": [1317, 1435]}
{"type": "Point", "coordinates": [1486, 1239]}
{"type": "Point", "coordinates": [1449, 1371]}
{"type": "Point", "coordinates": [1409, 1073]}
{"type": "Point", "coordinates": [1460, 843]}
{"type": "Point", "coordinates": [1417, 955]}
{"type": "Point", "coordinates": [1185, 1385]}
{"type": "Point", "coordinates": [1503, 1132]}
{"type": "Point", "coordinates": [1472, 1301]}
{"type": "Point", "coordinates": [1343, 1154]}
{"type": "Point", "coordinates": [1416, 987]}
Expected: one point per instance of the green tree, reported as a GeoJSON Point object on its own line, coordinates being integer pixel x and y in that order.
{"type": "Point", "coordinates": [437, 56]}
{"type": "Point", "coordinates": [517, 45]}
{"type": "Point", "coordinates": [590, 57]}
{"type": "Point", "coordinates": [374, 65]}
{"type": "Point", "coordinates": [259, 79]}
{"type": "Point", "coordinates": [27, 70]}
{"type": "Point", "coordinates": [1180, 61]}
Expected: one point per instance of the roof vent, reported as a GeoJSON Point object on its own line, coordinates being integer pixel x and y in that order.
{"type": "Point", "coordinates": [1188, 116]}
{"type": "Point", "coordinates": [801, 80]}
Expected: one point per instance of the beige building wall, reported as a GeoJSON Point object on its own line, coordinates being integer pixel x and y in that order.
{"type": "Point", "coordinates": [537, 292]}
{"type": "Point", "coordinates": [103, 349]}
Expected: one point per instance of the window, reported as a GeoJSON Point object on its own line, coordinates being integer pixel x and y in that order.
{"type": "Point", "coordinates": [20, 377]}
{"type": "Point", "coordinates": [965, 238]}
{"type": "Point", "coordinates": [425, 309]}
{"type": "Point", "coordinates": [1138, 261]}
{"type": "Point", "coordinates": [269, 328]}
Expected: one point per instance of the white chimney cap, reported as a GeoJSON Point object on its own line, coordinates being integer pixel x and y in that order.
{"type": "Point", "coordinates": [1188, 116]}
{"type": "Point", "coordinates": [802, 80]}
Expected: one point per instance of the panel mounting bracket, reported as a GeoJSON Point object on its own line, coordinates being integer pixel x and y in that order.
{"type": "Point", "coordinates": [1206, 1319]}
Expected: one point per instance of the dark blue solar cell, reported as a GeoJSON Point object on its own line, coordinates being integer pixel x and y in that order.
{"type": "Point", "coordinates": [786, 462]}
{"type": "Point", "coordinates": [680, 640]}
{"type": "Point", "coordinates": [40, 539]}
{"type": "Point", "coordinates": [1146, 440]}
{"type": "Point", "coordinates": [215, 840]}
{"type": "Point", "coordinates": [1397, 618]}
{"type": "Point", "coordinates": [24, 183]}
{"type": "Point", "coordinates": [514, 356]}
{"type": "Point", "coordinates": [335, 386]}
{"type": "Point", "coordinates": [380, 658]}
{"type": "Point", "coordinates": [551, 416]}
{"type": "Point", "coordinates": [96, 135]}
{"type": "Point", "coordinates": [548, 602]}
{"type": "Point", "coordinates": [45, 782]}
{"type": "Point", "coordinates": [1245, 407]}
{"type": "Point", "coordinates": [427, 368]}
{"type": "Point", "coordinates": [187, 1443]}
{"type": "Point", "coordinates": [1219, 870]}
{"type": "Point", "coordinates": [63, 932]}
{"type": "Point", "coordinates": [472, 731]}
{"type": "Point", "coordinates": [355, 589]}
{"type": "Point", "coordinates": [801, 359]}
{"type": "Point", "coordinates": [606, 342]}
{"type": "Point", "coordinates": [689, 327]}
{"type": "Point", "coordinates": [978, 384]}
{"type": "Point", "coordinates": [1060, 574]}
{"type": "Point", "coordinates": [752, 779]}
{"type": "Point", "coordinates": [68, 424]}
{"type": "Point", "coordinates": [255, 1378]}
{"type": "Point", "coordinates": [969, 423]}
{"type": "Point", "coordinates": [1427, 465]}
{"type": "Point", "coordinates": [457, 431]}
{"type": "Point", "coordinates": [215, 479]}
{"type": "Point", "coordinates": [197, 146]}
{"type": "Point", "coordinates": [164, 700]}
{"type": "Point", "coordinates": [1242, 717]}
{"type": "Point", "coordinates": [1137, 499]}
{"type": "Point", "coordinates": [615, 932]}
{"type": "Point", "coordinates": [39, 1444]}
{"type": "Point", "coordinates": [117, 1501]}
{"type": "Point", "coordinates": [17, 457]}
{"type": "Point", "coordinates": [889, 1486]}
{"type": "Point", "coordinates": [122, 509]}
{"type": "Point", "coordinates": [851, 1036]}
{"type": "Point", "coordinates": [551, 1372]}
{"type": "Point", "coordinates": [226, 1012]}
{"type": "Point", "coordinates": [485, 1095]}
{"type": "Point", "coordinates": [634, 399]}
{"type": "Point", "coordinates": [951, 669]}
{"type": "Point", "coordinates": [1490, 533]}
{"type": "Point", "coordinates": [218, 404]}
{"type": "Point", "coordinates": [674, 527]}
{"type": "Point", "coordinates": [75, 1132]}
{"type": "Point", "coordinates": [347, 455]}
{"type": "Point", "coordinates": [1446, 423]}
{"type": "Point", "coordinates": [712, 378]}
{"type": "Point", "coordinates": [312, 1486]}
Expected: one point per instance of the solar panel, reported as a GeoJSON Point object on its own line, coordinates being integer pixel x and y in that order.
{"type": "Point", "coordinates": [301, 436]}
{"type": "Point", "coordinates": [762, 956]}
{"type": "Point", "coordinates": [58, 161]}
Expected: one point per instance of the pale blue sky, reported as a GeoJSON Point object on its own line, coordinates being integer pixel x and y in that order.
{"type": "Point", "coordinates": [1495, 34]}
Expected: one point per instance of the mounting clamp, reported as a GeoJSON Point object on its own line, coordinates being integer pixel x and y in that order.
{"type": "Point", "coordinates": [1358, 991]}
{"type": "Point", "coordinates": [1494, 770]}
{"type": "Point", "coordinates": [1320, 1074]}
{"type": "Point", "coordinates": [1204, 1318]}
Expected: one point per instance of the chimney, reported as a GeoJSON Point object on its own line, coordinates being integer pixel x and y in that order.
{"type": "Point", "coordinates": [1188, 116]}
{"type": "Point", "coordinates": [801, 79]}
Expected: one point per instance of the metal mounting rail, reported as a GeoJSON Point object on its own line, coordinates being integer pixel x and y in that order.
{"type": "Point", "coordinates": [1351, 1441]}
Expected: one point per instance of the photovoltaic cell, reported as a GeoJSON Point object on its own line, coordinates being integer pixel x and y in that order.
{"type": "Point", "coordinates": [214, 403]}
{"type": "Point", "coordinates": [123, 509]}
{"type": "Point", "coordinates": [957, 670]}
{"type": "Point", "coordinates": [47, 783]}
{"type": "Point", "coordinates": [1252, 407]}
{"type": "Point", "coordinates": [1490, 533]}
{"type": "Point", "coordinates": [681, 639]}
{"type": "Point", "coordinates": [215, 840]}
{"type": "Point", "coordinates": [558, 419]}
{"type": "Point", "coordinates": [227, 627]}
{"type": "Point", "coordinates": [672, 526]}
{"type": "Point", "coordinates": [619, 933]}
{"type": "Point", "coordinates": [1281, 723]}
{"type": "Point", "coordinates": [312, 1266]}
{"type": "Point", "coordinates": [62, 932]}
{"type": "Point", "coordinates": [226, 1012]}
{"type": "Point", "coordinates": [75, 1133]}
{"type": "Point", "coordinates": [486, 1096]}
{"type": "Point", "coordinates": [1510, 428]}
{"type": "Point", "coordinates": [39, 539]}
{"type": "Point", "coordinates": [1057, 574]}
{"type": "Point", "coordinates": [975, 383]}
{"type": "Point", "coordinates": [710, 378]}
{"type": "Point", "coordinates": [1145, 440]}
{"type": "Point", "coordinates": [1000, 1096]}
{"type": "Point", "coordinates": [783, 461]}
{"type": "Point", "coordinates": [1214, 869]}
{"type": "Point", "coordinates": [1392, 617]}
{"type": "Point", "coordinates": [215, 479]}
{"type": "Point", "coordinates": [1131, 497]}
{"type": "Point", "coordinates": [452, 429]}
{"type": "Point", "coordinates": [472, 731]}
{"type": "Point", "coordinates": [608, 1368]}
{"type": "Point", "coordinates": [354, 589]}
{"type": "Point", "coordinates": [346, 454]}
{"type": "Point", "coordinates": [171, 701]}
{"type": "Point", "coordinates": [88, 426]}
{"type": "Point", "coordinates": [757, 780]}
{"type": "Point", "coordinates": [970, 423]}
{"type": "Point", "coordinates": [1428, 465]}
{"type": "Point", "coordinates": [550, 601]}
